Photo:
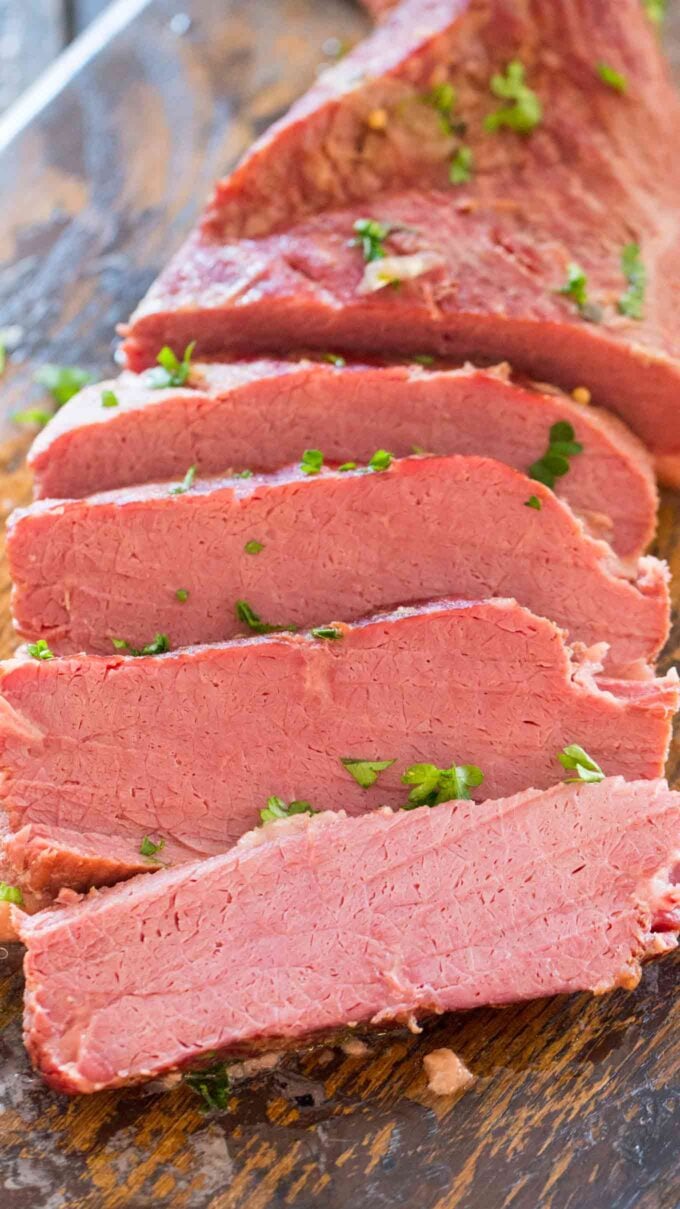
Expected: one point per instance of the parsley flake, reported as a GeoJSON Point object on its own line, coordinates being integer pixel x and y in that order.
{"type": "Point", "coordinates": [242, 474]}
{"type": "Point", "coordinates": [424, 359]}
{"type": "Point", "coordinates": [576, 288]}
{"type": "Point", "coordinates": [109, 399]}
{"type": "Point", "coordinates": [370, 237]}
{"type": "Point", "coordinates": [432, 785]}
{"type": "Point", "coordinates": [186, 484]}
{"type": "Point", "coordinates": [62, 381]}
{"type": "Point", "coordinates": [148, 848]}
{"type": "Point", "coordinates": [334, 359]}
{"type": "Point", "coordinates": [312, 461]}
{"type": "Point", "coordinates": [381, 460]}
{"type": "Point", "coordinates": [170, 371]}
{"type": "Point", "coordinates": [443, 99]}
{"type": "Point", "coordinates": [329, 632]}
{"type": "Point", "coordinates": [276, 808]}
{"type": "Point", "coordinates": [347, 466]}
{"type": "Point", "coordinates": [612, 78]}
{"type": "Point", "coordinates": [555, 461]}
{"type": "Point", "coordinates": [365, 772]}
{"type": "Point", "coordinates": [11, 894]}
{"type": "Point", "coordinates": [574, 758]}
{"type": "Point", "coordinates": [253, 547]}
{"type": "Point", "coordinates": [249, 617]}
{"type": "Point", "coordinates": [213, 1085]}
{"type": "Point", "coordinates": [533, 502]}
{"type": "Point", "coordinates": [158, 645]}
{"type": "Point", "coordinates": [39, 650]}
{"type": "Point", "coordinates": [182, 595]}
{"type": "Point", "coordinates": [524, 111]}
{"type": "Point", "coordinates": [34, 416]}
{"type": "Point", "coordinates": [631, 303]}
{"type": "Point", "coordinates": [655, 10]}
{"type": "Point", "coordinates": [461, 167]}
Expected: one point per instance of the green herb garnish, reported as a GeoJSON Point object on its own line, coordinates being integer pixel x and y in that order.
{"type": "Point", "coordinates": [253, 547]}
{"type": "Point", "coordinates": [461, 167]}
{"type": "Point", "coordinates": [186, 484]}
{"type": "Point", "coordinates": [524, 112]}
{"type": "Point", "coordinates": [576, 288]}
{"type": "Point", "coordinates": [170, 371]}
{"type": "Point", "coordinates": [443, 98]}
{"type": "Point", "coordinates": [574, 758]}
{"type": "Point", "coordinates": [632, 302]}
{"type": "Point", "coordinates": [148, 848]}
{"type": "Point", "coordinates": [370, 237]}
{"type": "Point", "coordinates": [33, 415]}
{"type": "Point", "coordinates": [11, 894]}
{"type": "Point", "coordinates": [655, 10]}
{"type": "Point", "coordinates": [365, 772]}
{"type": "Point", "coordinates": [612, 78]}
{"type": "Point", "coordinates": [432, 785]}
{"type": "Point", "coordinates": [109, 399]}
{"type": "Point", "coordinates": [347, 466]}
{"type": "Point", "coordinates": [533, 502]}
{"type": "Point", "coordinates": [39, 650]}
{"type": "Point", "coordinates": [249, 617]}
{"type": "Point", "coordinates": [329, 632]}
{"type": "Point", "coordinates": [276, 808]}
{"type": "Point", "coordinates": [381, 460]}
{"type": "Point", "coordinates": [555, 461]}
{"type": "Point", "coordinates": [312, 461]}
{"type": "Point", "coordinates": [424, 359]}
{"type": "Point", "coordinates": [242, 474]}
{"type": "Point", "coordinates": [182, 595]}
{"type": "Point", "coordinates": [213, 1085]}
{"type": "Point", "coordinates": [334, 359]}
{"type": "Point", "coordinates": [62, 381]}
{"type": "Point", "coordinates": [158, 645]}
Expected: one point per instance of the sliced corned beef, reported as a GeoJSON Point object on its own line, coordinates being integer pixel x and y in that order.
{"type": "Point", "coordinates": [261, 415]}
{"type": "Point", "coordinates": [316, 923]}
{"type": "Point", "coordinates": [596, 178]}
{"type": "Point", "coordinates": [185, 748]}
{"type": "Point", "coordinates": [305, 549]}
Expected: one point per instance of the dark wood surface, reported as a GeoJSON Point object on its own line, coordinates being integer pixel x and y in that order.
{"type": "Point", "coordinates": [576, 1104]}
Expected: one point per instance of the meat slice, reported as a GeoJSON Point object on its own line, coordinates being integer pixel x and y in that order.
{"type": "Point", "coordinates": [186, 747]}
{"type": "Point", "coordinates": [418, 912]}
{"type": "Point", "coordinates": [260, 415]}
{"type": "Point", "coordinates": [274, 266]}
{"type": "Point", "coordinates": [304, 549]}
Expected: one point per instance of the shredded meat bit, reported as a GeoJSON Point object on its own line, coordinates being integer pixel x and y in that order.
{"type": "Point", "coordinates": [446, 1073]}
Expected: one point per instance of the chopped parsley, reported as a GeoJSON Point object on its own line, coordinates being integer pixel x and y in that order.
{"type": "Point", "coordinates": [524, 110]}
{"type": "Point", "coordinates": [253, 547]}
{"type": "Point", "coordinates": [381, 460]}
{"type": "Point", "coordinates": [576, 288]}
{"type": "Point", "coordinates": [33, 415]}
{"type": "Point", "coordinates": [460, 169]}
{"type": "Point", "coordinates": [655, 10]}
{"type": "Point", "coordinates": [170, 371]}
{"type": "Point", "coordinates": [533, 502]}
{"type": "Point", "coordinates": [631, 303]}
{"type": "Point", "coordinates": [424, 359]}
{"type": "Point", "coordinates": [148, 848]}
{"type": "Point", "coordinates": [575, 759]}
{"type": "Point", "coordinates": [186, 484]}
{"type": "Point", "coordinates": [555, 461]}
{"type": "Point", "coordinates": [334, 359]}
{"type": "Point", "coordinates": [62, 381]}
{"type": "Point", "coordinates": [365, 772]}
{"type": "Point", "coordinates": [249, 617]}
{"type": "Point", "coordinates": [612, 78]}
{"type": "Point", "coordinates": [330, 633]}
{"type": "Point", "coordinates": [442, 98]}
{"type": "Point", "coordinates": [370, 236]}
{"type": "Point", "coordinates": [213, 1085]}
{"type": "Point", "coordinates": [242, 474]}
{"type": "Point", "coordinates": [158, 645]}
{"type": "Point", "coordinates": [347, 466]}
{"type": "Point", "coordinates": [11, 894]}
{"type": "Point", "coordinates": [39, 650]}
{"type": "Point", "coordinates": [182, 595]}
{"type": "Point", "coordinates": [109, 399]}
{"type": "Point", "coordinates": [432, 785]}
{"type": "Point", "coordinates": [312, 461]}
{"type": "Point", "coordinates": [276, 808]}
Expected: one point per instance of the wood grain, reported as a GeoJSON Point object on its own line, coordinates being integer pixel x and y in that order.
{"type": "Point", "coordinates": [576, 1100]}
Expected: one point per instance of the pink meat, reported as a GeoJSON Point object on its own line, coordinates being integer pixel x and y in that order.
{"type": "Point", "coordinates": [273, 268]}
{"type": "Point", "coordinates": [337, 545]}
{"type": "Point", "coordinates": [315, 923]}
{"type": "Point", "coordinates": [260, 415]}
{"type": "Point", "coordinates": [187, 747]}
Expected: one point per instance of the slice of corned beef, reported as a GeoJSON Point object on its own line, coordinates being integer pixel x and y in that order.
{"type": "Point", "coordinates": [304, 549]}
{"type": "Point", "coordinates": [569, 201]}
{"type": "Point", "coordinates": [185, 748]}
{"type": "Point", "coordinates": [423, 911]}
{"type": "Point", "coordinates": [261, 415]}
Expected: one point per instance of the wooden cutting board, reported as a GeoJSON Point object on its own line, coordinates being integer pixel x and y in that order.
{"type": "Point", "coordinates": [576, 1104]}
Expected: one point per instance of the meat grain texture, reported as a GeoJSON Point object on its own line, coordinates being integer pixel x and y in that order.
{"type": "Point", "coordinates": [422, 911]}
{"type": "Point", "coordinates": [260, 415]}
{"type": "Point", "coordinates": [303, 549]}
{"type": "Point", "coordinates": [273, 267]}
{"type": "Point", "coordinates": [187, 747]}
